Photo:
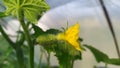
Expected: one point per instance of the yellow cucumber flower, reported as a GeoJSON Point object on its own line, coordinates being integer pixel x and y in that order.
{"type": "Point", "coordinates": [71, 35]}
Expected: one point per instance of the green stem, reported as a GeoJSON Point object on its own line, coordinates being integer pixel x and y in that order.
{"type": "Point", "coordinates": [20, 57]}
{"type": "Point", "coordinates": [72, 64]}
{"type": "Point", "coordinates": [66, 64]}
{"type": "Point", "coordinates": [18, 35]}
{"type": "Point", "coordinates": [28, 37]}
{"type": "Point", "coordinates": [39, 66]}
{"type": "Point", "coordinates": [106, 65]}
{"type": "Point", "coordinates": [15, 47]}
{"type": "Point", "coordinates": [48, 60]}
{"type": "Point", "coordinates": [7, 38]}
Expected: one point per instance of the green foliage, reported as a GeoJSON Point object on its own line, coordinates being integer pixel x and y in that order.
{"type": "Point", "coordinates": [7, 55]}
{"type": "Point", "coordinates": [31, 8]}
{"type": "Point", "coordinates": [102, 57]}
{"type": "Point", "coordinates": [114, 61]}
{"type": "Point", "coordinates": [66, 54]}
{"type": "Point", "coordinates": [64, 48]}
{"type": "Point", "coordinates": [3, 43]}
{"type": "Point", "coordinates": [2, 14]}
{"type": "Point", "coordinates": [37, 31]}
{"type": "Point", "coordinates": [53, 31]}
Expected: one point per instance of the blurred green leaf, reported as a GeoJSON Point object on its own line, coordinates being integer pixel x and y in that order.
{"type": "Point", "coordinates": [78, 56]}
{"type": "Point", "coordinates": [22, 38]}
{"type": "Point", "coordinates": [53, 31]}
{"type": "Point", "coordinates": [80, 39]}
{"type": "Point", "coordinates": [3, 44]}
{"type": "Point", "coordinates": [114, 61]}
{"type": "Point", "coordinates": [64, 47]}
{"type": "Point", "coordinates": [2, 14]}
{"type": "Point", "coordinates": [100, 56]}
{"type": "Point", "coordinates": [7, 56]}
{"type": "Point", "coordinates": [31, 8]}
{"type": "Point", "coordinates": [37, 31]}
{"type": "Point", "coordinates": [66, 54]}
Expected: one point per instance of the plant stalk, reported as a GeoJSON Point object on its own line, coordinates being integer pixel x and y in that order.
{"type": "Point", "coordinates": [106, 65]}
{"type": "Point", "coordinates": [72, 63]}
{"type": "Point", "coordinates": [7, 38]}
{"type": "Point", "coordinates": [20, 57]}
{"type": "Point", "coordinates": [27, 36]}
{"type": "Point", "coordinates": [40, 60]}
{"type": "Point", "coordinates": [48, 60]}
{"type": "Point", "coordinates": [67, 63]}
{"type": "Point", "coordinates": [110, 26]}
{"type": "Point", "coordinates": [15, 47]}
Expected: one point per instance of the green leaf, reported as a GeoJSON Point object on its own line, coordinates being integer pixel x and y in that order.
{"type": "Point", "coordinates": [80, 39]}
{"type": "Point", "coordinates": [31, 8]}
{"type": "Point", "coordinates": [2, 14]}
{"type": "Point", "coordinates": [3, 44]}
{"type": "Point", "coordinates": [114, 61]}
{"type": "Point", "coordinates": [53, 31]}
{"type": "Point", "coordinates": [31, 16]}
{"type": "Point", "coordinates": [78, 56]}
{"type": "Point", "coordinates": [22, 38]}
{"type": "Point", "coordinates": [100, 56]}
{"type": "Point", "coordinates": [37, 31]}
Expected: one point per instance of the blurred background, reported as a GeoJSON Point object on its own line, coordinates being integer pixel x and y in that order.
{"type": "Point", "coordinates": [93, 27]}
